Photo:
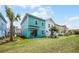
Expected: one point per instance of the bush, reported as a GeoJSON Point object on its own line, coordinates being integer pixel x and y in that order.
{"type": "Point", "coordinates": [53, 36]}
{"type": "Point", "coordinates": [76, 32]}
{"type": "Point", "coordinates": [66, 34]}
{"type": "Point", "coordinates": [60, 34]}
{"type": "Point", "coordinates": [1, 38]}
{"type": "Point", "coordinates": [23, 37]}
{"type": "Point", "coordinates": [69, 33]}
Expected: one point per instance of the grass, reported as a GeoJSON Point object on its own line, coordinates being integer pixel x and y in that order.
{"type": "Point", "coordinates": [61, 44]}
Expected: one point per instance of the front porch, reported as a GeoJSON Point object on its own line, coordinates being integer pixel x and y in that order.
{"type": "Point", "coordinates": [33, 31]}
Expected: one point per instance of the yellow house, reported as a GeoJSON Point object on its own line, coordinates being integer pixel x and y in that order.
{"type": "Point", "coordinates": [62, 29]}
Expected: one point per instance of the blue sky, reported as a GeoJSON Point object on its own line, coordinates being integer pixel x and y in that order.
{"type": "Point", "coordinates": [61, 14]}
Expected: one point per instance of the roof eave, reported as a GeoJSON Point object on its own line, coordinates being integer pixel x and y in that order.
{"type": "Point", "coordinates": [24, 18]}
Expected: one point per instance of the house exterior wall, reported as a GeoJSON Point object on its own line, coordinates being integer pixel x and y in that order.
{"type": "Point", "coordinates": [24, 28]}
{"type": "Point", "coordinates": [62, 29]}
{"type": "Point", "coordinates": [30, 23]}
{"type": "Point", "coordinates": [2, 27]}
{"type": "Point", "coordinates": [48, 21]}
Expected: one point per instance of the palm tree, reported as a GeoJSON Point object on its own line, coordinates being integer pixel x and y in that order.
{"type": "Point", "coordinates": [11, 18]}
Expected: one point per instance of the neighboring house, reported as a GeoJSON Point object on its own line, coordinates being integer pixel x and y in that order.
{"type": "Point", "coordinates": [49, 23]}
{"type": "Point", "coordinates": [17, 31]}
{"type": "Point", "coordinates": [61, 29]}
{"type": "Point", "coordinates": [3, 26]}
{"type": "Point", "coordinates": [65, 29]}
{"type": "Point", "coordinates": [32, 26]}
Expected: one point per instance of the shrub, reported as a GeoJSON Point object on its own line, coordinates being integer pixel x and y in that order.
{"type": "Point", "coordinates": [53, 36]}
{"type": "Point", "coordinates": [66, 34]}
{"type": "Point", "coordinates": [23, 37]}
{"type": "Point", "coordinates": [76, 32]}
{"type": "Point", "coordinates": [69, 33]}
{"type": "Point", "coordinates": [1, 38]}
{"type": "Point", "coordinates": [60, 34]}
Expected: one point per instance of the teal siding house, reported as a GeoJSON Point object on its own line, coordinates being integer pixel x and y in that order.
{"type": "Point", "coordinates": [32, 26]}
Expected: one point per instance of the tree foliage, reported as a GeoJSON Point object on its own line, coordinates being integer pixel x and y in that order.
{"type": "Point", "coordinates": [11, 17]}
{"type": "Point", "coordinates": [53, 29]}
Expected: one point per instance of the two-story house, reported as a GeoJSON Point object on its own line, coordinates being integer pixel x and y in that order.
{"type": "Point", "coordinates": [62, 29]}
{"type": "Point", "coordinates": [49, 23]}
{"type": "Point", "coordinates": [32, 26]}
{"type": "Point", "coordinates": [3, 26]}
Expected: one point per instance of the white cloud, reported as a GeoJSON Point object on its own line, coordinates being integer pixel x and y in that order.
{"type": "Point", "coordinates": [72, 26]}
{"type": "Point", "coordinates": [22, 15]}
{"type": "Point", "coordinates": [44, 12]}
{"type": "Point", "coordinates": [73, 18]}
{"type": "Point", "coordinates": [23, 6]}
{"type": "Point", "coordinates": [41, 14]}
{"type": "Point", "coordinates": [0, 6]}
{"type": "Point", "coordinates": [41, 9]}
{"type": "Point", "coordinates": [29, 6]}
{"type": "Point", "coordinates": [72, 22]}
{"type": "Point", "coordinates": [69, 26]}
{"type": "Point", "coordinates": [34, 6]}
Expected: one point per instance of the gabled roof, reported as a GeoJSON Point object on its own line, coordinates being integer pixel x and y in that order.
{"type": "Point", "coordinates": [55, 23]}
{"type": "Point", "coordinates": [27, 14]}
{"type": "Point", "coordinates": [1, 16]}
{"type": "Point", "coordinates": [51, 20]}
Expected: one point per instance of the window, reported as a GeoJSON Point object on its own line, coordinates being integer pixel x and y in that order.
{"type": "Point", "coordinates": [42, 32]}
{"type": "Point", "coordinates": [42, 24]}
{"type": "Point", "coordinates": [48, 25]}
{"type": "Point", "coordinates": [2, 24]}
{"type": "Point", "coordinates": [35, 22]}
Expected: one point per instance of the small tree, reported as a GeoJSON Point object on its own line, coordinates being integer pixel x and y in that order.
{"type": "Point", "coordinates": [54, 30]}
{"type": "Point", "coordinates": [11, 17]}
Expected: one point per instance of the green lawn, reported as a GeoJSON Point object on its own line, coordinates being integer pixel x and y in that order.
{"type": "Point", "coordinates": [49, 45]}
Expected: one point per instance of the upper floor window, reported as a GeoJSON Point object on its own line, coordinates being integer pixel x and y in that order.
{"type": "Point", "coordinates": [42, 24]}
{"type": "Point", "coordinates": [35, 22]}
{"type": "Point", "coordinates": [48, 25]}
